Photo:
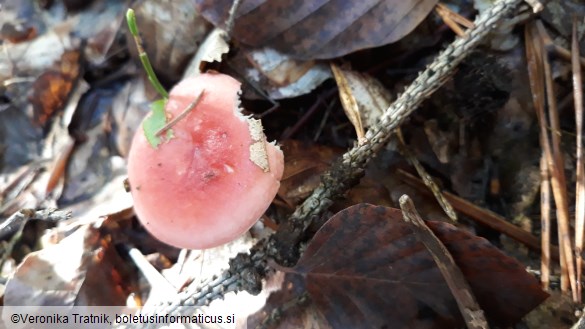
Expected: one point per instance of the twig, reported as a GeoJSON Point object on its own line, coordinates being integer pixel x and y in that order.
{"type": "Point", "coordinates": [310, 112]}
{"type": "Point", "coordinates": [426, 178]}
{"type": "Point", "coordinates": [24, 215]}
{"type": "Point", "coordinates": [229, 25]}
{"type": "Point", "coordinates": [580, 188]}
{"type": "Point", "coordinates": [480, 215]}
{"type": "Point", "coordinates": [249, 269]}
{"type": "Point", "coordinates": [181, 115]}
{"type": "Point", "coordinates": [470, 309]}
{"type": "Point", "coordinates": [161, 287]}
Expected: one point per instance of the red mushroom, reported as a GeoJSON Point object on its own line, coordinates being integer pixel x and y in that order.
{"type": "Point", "coordinates": [214, 178]}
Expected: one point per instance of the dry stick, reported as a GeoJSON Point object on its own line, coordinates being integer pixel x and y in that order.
{"type": "Point", "coordinates": [544, 223]}
{"type": "Point", "coordinates": [472, 313]}
{"type": "Point", "coordinates": [427, 179]}
{"type": "Point", "coordinates": [181, 115]}
{"type": "Point", "coordinates": [563, 53]}
{"type": "Point", "coordinates": [480, 215]}
{"type": "Point", "coordinates": [580, 188]}
{"type": "Point", "coordinates": [22, 216]}
{"type": "Point", "coordinates": [247, 270]}
{"type": "Point", "coordinates": [558, 177]}
{"type": "Point", "coordinates": [229, 25]}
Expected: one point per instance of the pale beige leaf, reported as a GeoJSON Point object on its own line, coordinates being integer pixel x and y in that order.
{"type": "Point", "coordinates": [348, 101]}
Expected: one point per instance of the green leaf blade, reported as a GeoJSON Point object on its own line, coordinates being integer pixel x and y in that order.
{"type": "Point", "coordinates": [155, 122]}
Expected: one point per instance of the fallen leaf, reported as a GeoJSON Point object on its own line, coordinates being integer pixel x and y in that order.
{"type": "Point", "coordinates": [279, 68]}
{"type": "Point", "coordinates": [503, 288]}
{"type": "Point", "coordinates": [20, 21]}
{"type": "Point", "coordinates": [52, 88]}
{"type": "Point", "coordinates": [172, 32]}
{"type": "Point", "coordinates": [211, 50]}
{"type": "Point", "coordinates": [82, 269]}
{"type": "Point", "coordinates": [93, 165]}
{"type": "Point", "coordinates": [365, 261]}
{"type": "Point", "coordinates": [277, 74]}
{"type": "Point", "coordinates": [16, 34]}
{"type": "Point", "coordinates": [298, 314]}
{"type": "Point", "coordinates": [349, 102]}
{"type": "Point", "coordinates": [304, 164]}
{"type": "Point", "coordinates": [371, 96]}
{"type": "Point", "coordinates": [319, 29]}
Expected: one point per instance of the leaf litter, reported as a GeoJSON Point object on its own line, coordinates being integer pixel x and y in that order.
{"type": "Point", "coordinates": [81, 84]}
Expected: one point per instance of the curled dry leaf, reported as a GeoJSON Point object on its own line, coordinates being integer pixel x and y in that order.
{"type": "Point", "coordinates": [212, 49]}
{"type": "Point", "coordinates": [371, 97]}
{"type": "Point", "coordinates": [319, 29]}
{"type": "Point", "coordinates": [349, 102]}
{"type": "Point", "coordinates": [365, 260]}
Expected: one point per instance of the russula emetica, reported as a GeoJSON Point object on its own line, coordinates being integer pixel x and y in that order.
{"type": "Point", "coordinates": [214, 178]}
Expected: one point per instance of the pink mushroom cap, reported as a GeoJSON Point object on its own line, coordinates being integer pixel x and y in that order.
{"type": "Point", "coordinates": [214, 179]}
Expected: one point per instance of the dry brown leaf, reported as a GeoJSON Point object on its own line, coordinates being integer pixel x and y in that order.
{"type": "Point", "coordinates": [319, 29]}
{"type": "Point", "coordinates": [297, 315]}
{"type": "Point", "coordinates": [81, 269]}
{"type": "Point", "coordinates": [20, 21]}
{"type": "Point", "coordinates": [365, 260]}
{"type": "Point", "coordinates": [304, 165]}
